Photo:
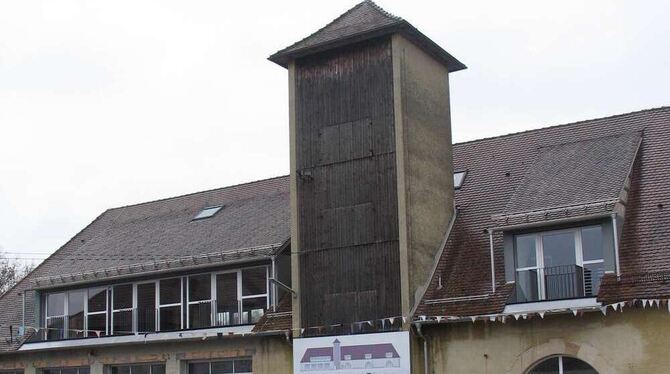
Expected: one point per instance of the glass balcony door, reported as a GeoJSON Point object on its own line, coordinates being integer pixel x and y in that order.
{"type": "Point", "coordinates": [556, 265]}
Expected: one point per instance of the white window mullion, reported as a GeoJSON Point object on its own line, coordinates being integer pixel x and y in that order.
{"type": "Point", "coordinates": [539, 259]}
{"type": "Point", "coordinates": [560, 364]}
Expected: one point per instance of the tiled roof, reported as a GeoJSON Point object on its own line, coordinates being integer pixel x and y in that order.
{"type": "Point", "coordinates": [364, 21]}
{"type": "Point", "coordinates": [278, 320]}
{"type": "Point", "coordinates": [254, 215]}
{"type": "Point", "coordinates": [563, 175]}
{"type": "Point", "coordinates": [498, 166]}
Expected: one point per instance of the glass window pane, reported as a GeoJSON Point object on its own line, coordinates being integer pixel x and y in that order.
{"type": "Point", "coordinates": [55, 304]}
{"type": "Point", "coordinates": [253, 309]}
{"type": "Point", "coordinates": [121, 369]}
{"type": "Point", "coordinates": [84, 371]}
{"type": "Point", "coordinates": [243, 366]}
{"type": "Point", "coordinates": [227, 312]}
{"type": "Point", "coordinates": [200, 315]}
{"type": "Point", "coordinates": [157, 369]}
{"type": "Point", "coordinates": [222, 367]}
{"type": "Point", "coordinates": [254, 281]}
{"type": "Point", "coordinates": [140, 369]}
{"type": "Point", "coordinates": [592, 243]}
{"type": "Point", "coordinates": [75, 306]}
{"type": "Point", "coordinates": [558, 249]}
{"type": "Point", "coordinates": [525, 251]}
{"type": "Point", "coordinates": [97, 322]}
{"type": "Point", "coordinates": [458, 179]}
{"type": "Point", "coordinates": [198, 368]}
{"type": "Point", "coordinates": [592, 277]}
{"type": "Point", "coordinates": [97, 299]}
{"type": "Point", "coordinates": [548, 366]}
{"type": "Point", "coordinates": [526, 286]}
{"type": "Point", "coordinates": [170, 291]}
{"type": "Point", "coordinates": [122, 296]}
{"type": "Point", "coordinates": [55, 328]}
{"type": "Point", "coordinates": [69, 371]}
{"type": "Point", "coordinates": [575, 366]}
{"type": "Point", "coordinates": [146, 307]}
{"type": "Point", "coordinates": [123, 322]}
{"type": "Point", "coordinates": [200, 287]}
{"type": "Point", "coordinates": [170, 318]}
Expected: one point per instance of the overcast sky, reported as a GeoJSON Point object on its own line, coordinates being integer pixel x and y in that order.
{"type": "Point", "coordinates": [109, 103]}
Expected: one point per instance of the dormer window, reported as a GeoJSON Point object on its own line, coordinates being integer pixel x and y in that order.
{"type": "Point", "coordinates": [560, 264]}
{"type": "Point", "coordinates": [208, 212]}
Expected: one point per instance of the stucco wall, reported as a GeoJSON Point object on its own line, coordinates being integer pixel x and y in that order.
{"type": "Point", "coordinates": [632, 341]}
{"type": "Point", "coordinates": [424, 162]}
{"type": "Point", "coordinates": [270, 355]}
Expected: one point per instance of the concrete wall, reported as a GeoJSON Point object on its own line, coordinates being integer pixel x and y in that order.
{"type": "Point", "coordinates": [424, 159]}
{"type": "Point", "coordinates": [269, 355]}
{"type": "Point", "coordinates": [632, 341]}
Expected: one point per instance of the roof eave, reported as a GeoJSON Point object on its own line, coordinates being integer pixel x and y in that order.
{"type": "Point", "coordinates": [285, 56]}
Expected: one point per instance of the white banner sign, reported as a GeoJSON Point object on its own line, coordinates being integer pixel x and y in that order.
{"type": "Point", "coordinates": [383, 353]}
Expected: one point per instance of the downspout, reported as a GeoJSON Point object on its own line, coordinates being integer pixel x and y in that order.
{"type": "Point", "coordinates": [615, 230]}
{"type": "Point", "coordinates": [425, 347]}
{"type": "Point", "coordinates": [493, 267]}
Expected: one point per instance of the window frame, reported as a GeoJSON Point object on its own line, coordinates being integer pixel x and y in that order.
{"type": "Point", "coordinates": [180, 304]}
{"type": "Point", "coordinates": [61, 368]}
{"type": "Point", "coordinates": [66, 315]}
{"type": "Point", "coordinates": [109, 368]}
{"type": "Point", "coordinates": [132, 308]}
{"type": "Point", "coordinates": [213, 361]}
{"type": "Point", "coordinates": [539, 255]}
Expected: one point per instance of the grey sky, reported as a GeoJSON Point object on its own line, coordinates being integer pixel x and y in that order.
{"type": "Point", "coordinates": [109, 103]}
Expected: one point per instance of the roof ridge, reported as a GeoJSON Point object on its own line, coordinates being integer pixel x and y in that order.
{"type": "Point", "coordinates": [199, 192]}
{"type": "Point", "coordinates": [655, 109]}
{"type": "Point", "coordinates": [369, 2]}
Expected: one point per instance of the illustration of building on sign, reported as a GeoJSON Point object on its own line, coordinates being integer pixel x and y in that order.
{"type": "Point", "coordinates": [337, 357]}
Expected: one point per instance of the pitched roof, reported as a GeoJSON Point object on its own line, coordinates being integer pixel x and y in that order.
{"type": "Point", "coordinates": [364, 21]}
{"type": "Point", "coordinates": [498, 166]}
{"type": "Point", "coordinates": [254, 216]}
{"type": "Point", "coordinates": [352, 352]}
{"type": "Point", "coordinates": [563, 175]}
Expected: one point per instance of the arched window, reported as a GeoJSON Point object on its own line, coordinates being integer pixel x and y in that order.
{"type": "Point", "coordinates": [562, 365]}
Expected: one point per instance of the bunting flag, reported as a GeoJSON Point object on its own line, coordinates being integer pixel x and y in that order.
{"type": "Point", "coordinates": [615, 306]}
{"type": "Point", "coordinates": [604, 310]}
{"type": "Point", "coordinates": [474, 318]}
{"type": "Point", "coordinates": [392, 319]}
{"type": "Point", "coordinates": [574, 312]}
{"type": "Point", "coordinates": [541, 314]}
{"type": "Point", "coordinates": [516, 316]}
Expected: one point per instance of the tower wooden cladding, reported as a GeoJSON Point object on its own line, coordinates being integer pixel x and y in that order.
{"type": "Point", "coordinates": [371, 169]}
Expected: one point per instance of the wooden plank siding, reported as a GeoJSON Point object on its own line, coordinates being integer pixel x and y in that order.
{"type": "Point", "coordinates": [347, 187]}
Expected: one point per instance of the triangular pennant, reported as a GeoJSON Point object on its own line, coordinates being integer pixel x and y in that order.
{"type": "Point", "coordinates": [615, 306]}
{"type": "Point", "coordinates": [574, 311]}
{"type": "Point", "coordinates": [404, 319]}
{"type": "Point", "coordinates": [473, 318]}
{"type": "Point", "coordinates": [604, 310]}
{"type": "Point", "coordinates": [622, 304]}
{"type": "Point", "coordinates": [503, 319]}
{"type": "Point", "coordinates": [492, 318]}
{"type": "Point", "coordinates": [423, 318]}
{"type": "Point", "coordinates": [541, 314]}
{"type": "Point", "coordinates": [525, 316]}
{"type": "Point", "coordinates": [657, 303]}
{"type": "Point", "coordinates": [516, 316]}
{"type": "Point", "coordinates": [302, 331]}
{"type": "Point", "coordinates": [370, 323]}
{"type": "Point", "coordinates": [392, 320]}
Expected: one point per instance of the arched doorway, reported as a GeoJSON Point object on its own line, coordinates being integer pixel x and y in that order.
{"type": "Point", "coordinates": [562, 365]}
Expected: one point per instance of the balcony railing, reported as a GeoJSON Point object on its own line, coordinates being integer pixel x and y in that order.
{"type": "Point", "coordinates": [132, 321]}
{"type": "Point", "coordinates": [556, 283]}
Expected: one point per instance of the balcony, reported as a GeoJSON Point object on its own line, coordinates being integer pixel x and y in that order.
{"type": "Point", "coordinates": [140, 321]}
{"type": "Point", "coordinates": [557, 283]}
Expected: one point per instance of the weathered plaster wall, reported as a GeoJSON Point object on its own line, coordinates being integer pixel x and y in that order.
{"type": "Point", "coordinates": [632, 341]}
{"type": "Point", "coordinates": [270, 355]}
{"type": "Point", "coordinates": [424, 159]}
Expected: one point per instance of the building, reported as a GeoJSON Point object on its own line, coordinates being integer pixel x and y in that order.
{"type": "Point", "coordinates": [544, 251]}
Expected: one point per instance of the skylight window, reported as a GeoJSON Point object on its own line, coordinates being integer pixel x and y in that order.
{"type": "Point", "coordinates": [459, 177]}
{"type": "Point", "coordinates": [208, 212]}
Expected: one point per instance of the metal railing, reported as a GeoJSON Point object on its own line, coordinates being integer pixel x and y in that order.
{"type": "Point", "coordinates": [556, 283]}
{"type": "Point", "coordinates": [205, 314]}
